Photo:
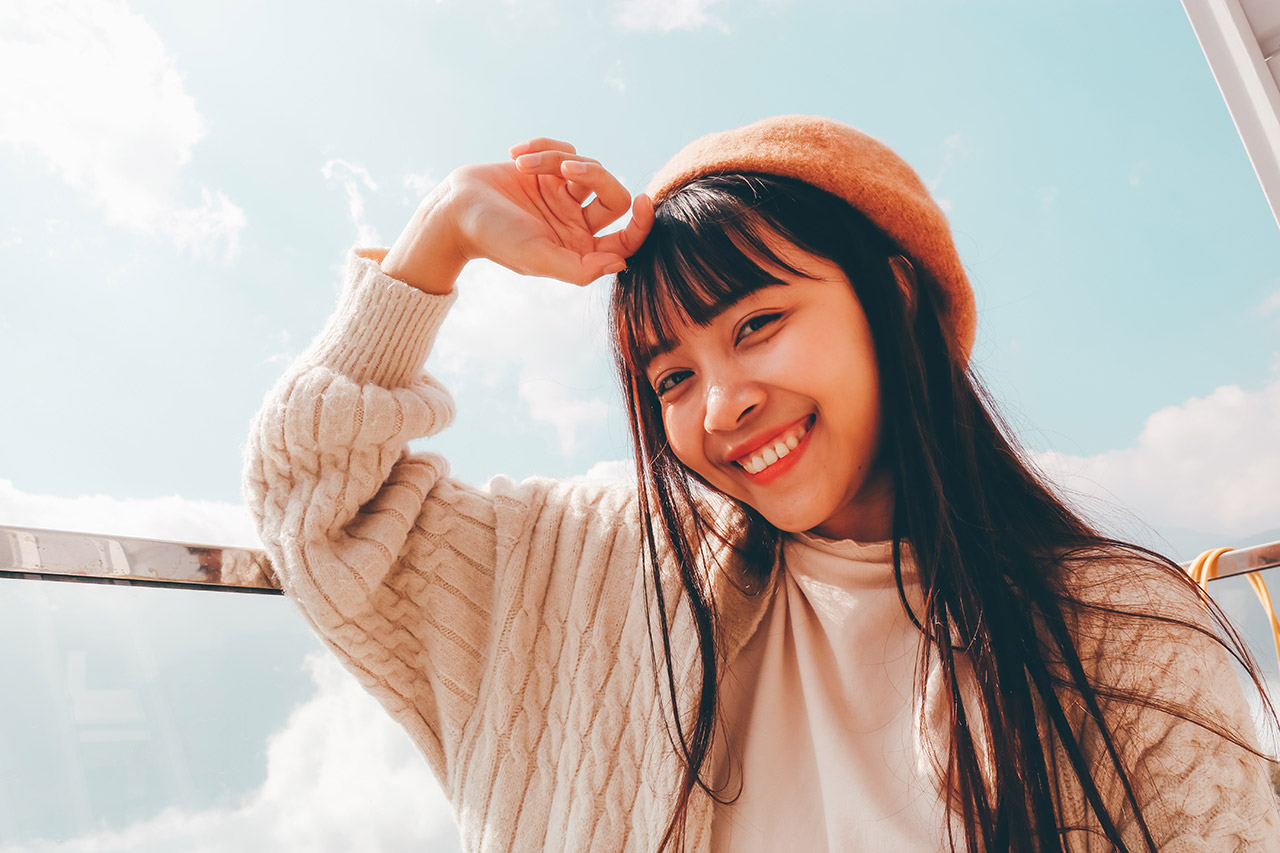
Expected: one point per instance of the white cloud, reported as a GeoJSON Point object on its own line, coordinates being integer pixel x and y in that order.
{"type": "Point", "coordinates": [1270, 305]}
{"type": "Point", "coordinates": [340, 776]}
{"type": "Point", "coordinates": [1211, 463]}
{"type": "Point", "coordinates": [91, 90]}
{"type": "Point", "coordinates": [418, 185]}
{"type": "Point", "coordinates": [285, 355]}
{"type": "Point", "coordinates": [1136, 174]}
{"type": "Point", "coordinates": [172, 518]}
{"type": "Point", "coordinates": [352, 176]}
{"type": "Point", "coordinates": [614, 79]}
{"type": "Point", "coordinates": [199, 228]}
{"type": "Point", "coordinates": [547, 334]}
{"type": "Point", "coordinates": [954, 148]}
{"type": "Point", "coordinates": [667, 15]}
{"type": "Point", "coordinates": [609, 471]}
{"type": "Point", "coordinates": [551, 403]}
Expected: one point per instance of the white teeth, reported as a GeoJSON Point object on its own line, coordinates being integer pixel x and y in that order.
{"type": "Point", "coordinates": [769, 455]}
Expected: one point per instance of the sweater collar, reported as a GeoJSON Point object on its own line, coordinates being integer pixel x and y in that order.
{"type": "Point", "coordinates": [740, 605]}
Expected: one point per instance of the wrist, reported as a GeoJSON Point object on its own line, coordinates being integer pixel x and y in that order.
{"type": "Point", "coordinates": [428, 254]}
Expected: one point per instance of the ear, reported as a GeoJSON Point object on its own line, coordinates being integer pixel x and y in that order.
{"type": "Point", "coordinates": [905, 274]}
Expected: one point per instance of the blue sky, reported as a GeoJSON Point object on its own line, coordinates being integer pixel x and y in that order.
{"type": "Point", "coordinates": [179, 184]}
{"type": "Point", "coordinates": [175, 216]}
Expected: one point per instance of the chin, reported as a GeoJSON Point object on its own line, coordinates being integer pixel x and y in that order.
{"type": "Point", "coordinates": [791, 522]}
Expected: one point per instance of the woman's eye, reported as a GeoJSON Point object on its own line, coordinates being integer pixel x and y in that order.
{"type": "Point", "coordinates": [670, 381]}
{"type": "Point", "coordinates": [755, 324]}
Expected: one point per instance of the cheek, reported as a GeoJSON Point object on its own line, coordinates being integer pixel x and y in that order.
{"type": "Point", "coordinates": [862, 411]}
{"type": "Point", "coordinates": [847, 386]}
{"type": "Point", "coordinates": [684, 437]}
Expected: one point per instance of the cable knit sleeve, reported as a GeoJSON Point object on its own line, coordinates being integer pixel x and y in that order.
{"type": "Point", "coordinates": [1200, 792]}
{"type": "Point", "coordinates": [398, 567]}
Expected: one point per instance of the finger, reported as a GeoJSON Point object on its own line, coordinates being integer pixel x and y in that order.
{"type": "Point", "coordinates": [612, 199]}
{"type": "Point", "coordinates": [625, 242]}
{"type": "Point", "coordinates": [548, 162]}
{"type": "Point", "coordinates": [578, 192]}
{"type": "Point", "coordinates": [541, 143]}
{"type": "Point", "coordinates": [549, 260]}
{"type": "Point", "coordinates": [600, 264]}
{"type": "Point", "coordinates": [559, 204]}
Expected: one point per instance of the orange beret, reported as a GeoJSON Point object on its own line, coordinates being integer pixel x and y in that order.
{"type": "Point", "coordinates": [859, 169]}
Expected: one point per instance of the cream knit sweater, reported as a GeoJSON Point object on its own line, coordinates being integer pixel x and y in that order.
{"type": "Point", "coordinates": [505, 627]}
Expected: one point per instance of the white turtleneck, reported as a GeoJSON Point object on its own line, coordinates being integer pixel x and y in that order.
{"type": "Point", "coordinates": [821, 714]}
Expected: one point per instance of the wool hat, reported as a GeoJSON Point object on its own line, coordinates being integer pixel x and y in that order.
{"type": "Point", "coordinates": [850, 164]}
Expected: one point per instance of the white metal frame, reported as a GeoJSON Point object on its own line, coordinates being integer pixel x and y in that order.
{"type": "Point", "coordinates": [1241, 40]}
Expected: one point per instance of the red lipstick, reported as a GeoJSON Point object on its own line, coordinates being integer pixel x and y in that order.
{"type": "Point", "coordinates": [783, 465]}
{"type": "Point", "coordinates": [746, 448]}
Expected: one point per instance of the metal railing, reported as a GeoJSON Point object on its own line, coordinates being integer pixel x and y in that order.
{"type": "Point", "coordinates": [32, 553]}
{"type": "Point", "coordinates": [61, 555]}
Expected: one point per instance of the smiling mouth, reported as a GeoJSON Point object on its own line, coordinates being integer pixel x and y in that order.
{"type": "Point", "coordinates": [778, 449]}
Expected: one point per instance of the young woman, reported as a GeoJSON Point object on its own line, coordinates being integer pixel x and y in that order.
{"type": "Point", "coordinates": [838, 611]}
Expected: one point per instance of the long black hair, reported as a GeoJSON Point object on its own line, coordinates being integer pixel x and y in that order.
{"type": "Point", "coordinates": [993, 546]}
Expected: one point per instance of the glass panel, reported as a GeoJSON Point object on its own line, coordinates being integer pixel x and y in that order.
{"type": "Point", "coordinates": [169, 719]}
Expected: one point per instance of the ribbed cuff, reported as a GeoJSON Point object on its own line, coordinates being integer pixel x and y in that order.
{"type": "Point", "coordinates": [383, 328]}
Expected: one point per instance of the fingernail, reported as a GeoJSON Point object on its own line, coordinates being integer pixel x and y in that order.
{"type": "Point", "coordinates": [529, 161]}
{"type": "Point", "coordinates": [574, 167]}
{"type": "Point", "coordinates": [615, 268]}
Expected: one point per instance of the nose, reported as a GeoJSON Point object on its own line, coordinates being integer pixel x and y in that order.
{"type": "Point", "coordinates": [729, 400]}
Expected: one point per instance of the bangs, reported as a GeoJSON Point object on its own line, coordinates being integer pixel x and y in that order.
{"type": "Point", "coordinates": [708, 249]}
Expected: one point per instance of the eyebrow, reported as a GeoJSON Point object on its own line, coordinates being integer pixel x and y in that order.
{"type": "Point", "coordinates": [650, 352]}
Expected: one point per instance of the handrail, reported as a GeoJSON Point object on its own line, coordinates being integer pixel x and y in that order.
{"type": "Point", "coordinates": [36, 554]}
{"type": "Point", "coordinates": [1242, 561]}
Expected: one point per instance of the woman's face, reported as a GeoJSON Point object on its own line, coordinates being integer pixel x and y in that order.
{"type": "Point", "coordinates": [777, 403]}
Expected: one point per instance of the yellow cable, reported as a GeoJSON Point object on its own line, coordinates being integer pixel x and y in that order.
{"type": "Point", "coordinates": [1205, 568]}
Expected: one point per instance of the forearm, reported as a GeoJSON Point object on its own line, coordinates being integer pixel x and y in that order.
{"type": "Point", "coordinates": [319, 463]}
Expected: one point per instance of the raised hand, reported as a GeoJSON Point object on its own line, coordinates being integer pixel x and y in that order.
{"type": "Point", "coordinates": [529, 214]}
